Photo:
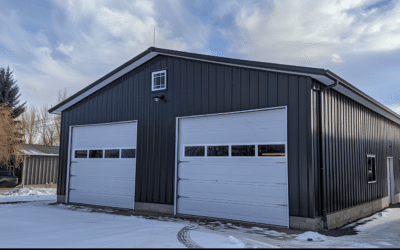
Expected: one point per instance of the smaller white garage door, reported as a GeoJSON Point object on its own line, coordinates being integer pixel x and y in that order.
{"type": "Point", "coordinates": [234, 166]}
{"type": "Point", "coordinates": [103, 165]}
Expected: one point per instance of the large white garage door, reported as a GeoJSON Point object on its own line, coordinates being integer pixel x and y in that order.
{"type": "Point", "coordinates": [234, 166]}
{"type": "Point", "coordinates": [103, 165]}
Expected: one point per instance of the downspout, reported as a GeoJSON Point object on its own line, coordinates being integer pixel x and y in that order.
{"type": "Point", "coordinates": [321, 160]}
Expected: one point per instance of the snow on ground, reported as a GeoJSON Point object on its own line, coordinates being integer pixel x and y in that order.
{"type": "Point", "coordinates": [42, 225]}
{"type": "Point", "coordinates": [29, 194]}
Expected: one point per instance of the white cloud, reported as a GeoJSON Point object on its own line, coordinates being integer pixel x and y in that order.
{"type": "Point", "coordinates": [394, 107]}
{"type": "Point", "coordinates": [64, 48]}
{"type": "Point", "coordinates": [306, 31]}
{"type": "Point", "coordinates": [85, 40]}
{"type": "Point", "coordinates": [336, 58]}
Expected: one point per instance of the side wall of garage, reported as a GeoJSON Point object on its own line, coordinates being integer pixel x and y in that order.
{"type": "Point", "coordinates": [195, 88]}
{"type": "Point", "coordinates": [350, 132]}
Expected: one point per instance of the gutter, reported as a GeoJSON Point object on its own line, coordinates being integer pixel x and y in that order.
{"type": "Point", "coordinates": [322, 167]}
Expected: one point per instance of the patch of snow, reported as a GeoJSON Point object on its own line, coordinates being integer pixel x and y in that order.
{"type": "Point", "coordinates": [30, 191]}
{"type": "Point", "coordinates": [210, 240]}
{"type": "Point", "coordinates": [384, 243]}
{"type": "Point", "coordinates": [311, 235]}
{"type": "Point", "coordinates": [235, 241]}
{"type": "Point", "coordinates": [257, 229]}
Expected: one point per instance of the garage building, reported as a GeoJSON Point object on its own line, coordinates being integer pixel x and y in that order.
{"type": "Point", "coordinates": [182, 133]}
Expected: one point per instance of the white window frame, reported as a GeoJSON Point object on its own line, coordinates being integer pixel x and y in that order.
{"type": "Point", "coordinates": [152, 80]}
{"type": "Point", "coordinates": [374, 166]}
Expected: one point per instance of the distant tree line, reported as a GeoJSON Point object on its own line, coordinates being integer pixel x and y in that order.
{"type": "Point", "coordinates": [21, 125]}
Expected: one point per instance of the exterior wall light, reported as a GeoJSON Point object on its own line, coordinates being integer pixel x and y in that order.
{"type": "Point", "coordinates": [158, 98]}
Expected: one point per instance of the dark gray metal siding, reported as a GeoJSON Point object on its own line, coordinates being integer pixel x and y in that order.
{"type": "Point", "coordinates": [350, 132]}
{"type": "Point", "coordinates": [40, 170]}
{"type": "Point", "coordinates": [196, 88]}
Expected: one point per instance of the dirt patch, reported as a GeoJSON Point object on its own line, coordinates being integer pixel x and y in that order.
{"type": "Point", "coordinates": [344, 230]}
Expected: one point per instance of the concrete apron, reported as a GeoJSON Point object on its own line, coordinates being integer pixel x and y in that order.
{"type": "Point", "coordinates": [336, 219]}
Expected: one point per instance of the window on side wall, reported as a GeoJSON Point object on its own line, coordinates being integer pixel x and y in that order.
{"type": "Point", "coordinates": [371, 168]}
{"type": "Point", "coordinates": [159, 80]}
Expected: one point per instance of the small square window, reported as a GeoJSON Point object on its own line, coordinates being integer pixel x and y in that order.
{"type": "Point", "coordinates": [243, 150]}
{"type": "Point", "coordinates": [194, 151]}
{"type": "Point", "coordinates": [80, 153]}
{"type": "Point", "coordinates": [159, 80]}
{"type": "Point", "coordinates": [96, 153]}
{"type": "Point", "coordinates": [111, 153]}
{"type": "Point", "coordinates": [371, 168]}
{"type": "Point", "coordinates": [128, 153]}
{"type": "Point", "coordinates": [271, 150]}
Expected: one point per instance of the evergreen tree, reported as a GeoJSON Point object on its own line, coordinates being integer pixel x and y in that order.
{"type": "Point", "coordinates": [9, 92]}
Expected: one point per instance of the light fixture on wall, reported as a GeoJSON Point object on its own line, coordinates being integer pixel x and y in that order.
{"type": "Point", "coordinates": [158, 98]}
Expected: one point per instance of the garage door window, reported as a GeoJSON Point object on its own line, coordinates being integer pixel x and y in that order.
{"type": "Point", "coordinates": [111, 153]}
{"type": "Point", "coordinates": [217, 150]}
{"type": "Point", "coordinates": [80, 153]}
{"type": "Point", "coordinates": [128, 153]}
{"type": "Point", "coordinates": [194, 151]}
{"type": "Point", "coordinates": [243, 150]}
{"type": "Point", "coordinates": [271, 150]}
{"type": "Point", "coordinates": [96, 153]}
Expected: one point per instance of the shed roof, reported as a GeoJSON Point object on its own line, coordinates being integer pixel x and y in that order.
{"type": "Point", "coordinates": [32, 149]}
{"type": "Point", "coordinates": [322, 75]}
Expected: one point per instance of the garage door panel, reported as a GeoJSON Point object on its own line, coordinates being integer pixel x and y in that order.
{"type": "Point", "coordinates": [233, 191]}
{"type": "Point", "coordinates": [122, 186]}
{"type": "Point", "coordinates": [114, 170]}
{"type": "Point", "coordinates": [250, 188]}
{"type": "Point", "coordinates": [101, 199]}
{"type": "Point", "coordinates": [103, 181]}
{"type": "Point", "coordinates": [234, 172]}
{"type": "Point", "coordinates": [247, 212]}
{"type": "Point", "coordinates": [103, 136]}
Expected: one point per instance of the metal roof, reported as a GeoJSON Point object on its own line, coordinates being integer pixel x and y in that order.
{"type": "Point", "coordinates": [32, 149]}
{"type": "Point", "coordinates": [322, 75]}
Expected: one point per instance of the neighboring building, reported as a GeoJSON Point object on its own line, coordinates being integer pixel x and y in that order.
{"type": "Point", "coordinates": [185, 133]}
{"type": "Point", "coordinates": [40, 167]}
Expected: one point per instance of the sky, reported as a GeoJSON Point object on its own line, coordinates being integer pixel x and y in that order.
{"type": "Point", "coordinates": [51, 45]}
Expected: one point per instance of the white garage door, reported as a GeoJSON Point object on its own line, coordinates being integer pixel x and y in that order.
{"type": "Point", "coordinates": [103, 165]}
{"type": "Point", "coordinates": [234, 166]}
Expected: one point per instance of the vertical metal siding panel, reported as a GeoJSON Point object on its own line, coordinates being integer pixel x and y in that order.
{"type": "Point", "coordinates": [204, 85]}
{"type": "Point", "coordinates": [45, 169]}
{"type": "Point", "coordinates": [171, 149]}
{"type": "Point", "coordinates": [310, 165]}
{"type": "Point", "coordinates": [344, 152]}
{"type": "Point", "coordinates": [228, 88]}
{"type": "Point", "coordinates": [154, 122]}
{"type": "Point", "coordinates": [37, 171]}
{"type": "Point", "coordinates": [349, 143]}
{"type": "Point", "coordinates": [141, 161]}
{"type": "Point", "coordinates": [189, 80]}
{"type": "Point", "coordinates": [183, 88]}
{"type": "Point", "coordinates": [163, 144]}
{"type": "Point", "coordinates": [272, 89]}
{"type": "Point", "coordinates": [28, 170]}
{"type": "Point", "coordinates": [303, 147]}
{"type": "Point", "coordinates": [293, 146]}
{"type": "Point", "coordinates": [220, 88]}
{"type": "Point", "coordinates": [330, 152]}
{"type": "Point", "coordinates": [244, 89]}
{"type": "Point", "coordinates": [336, 156]}
{"type": "Point", "coordinates": [254, 89]}
{"type": "Point", "coordinates": [236, 89]}
{"type": "Point", "coordinates": [212, 88]}
{"type": "Point", "coordinates": [50, 171]}
{"type": "Point", "coordinates": [315, 148]}
{"type": "Point", "coordinates": [262, 89]}
{"type": "Point", "coordinates": [197, 100]}
{"type": "Point", "coordinates": [339, 138]}
{"type": "Point", "coordinates": [56, 170]}
{"type": "Point", "coordinates": [283, 85]}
